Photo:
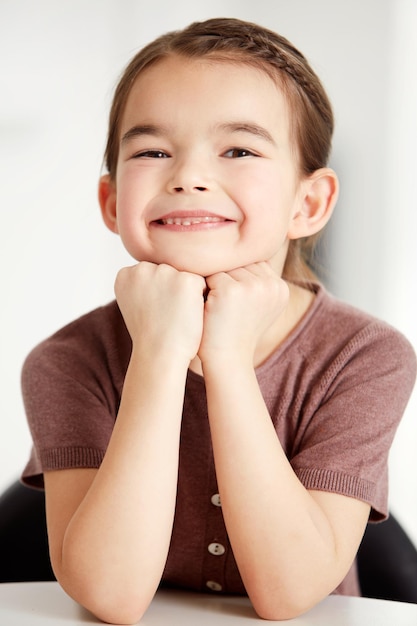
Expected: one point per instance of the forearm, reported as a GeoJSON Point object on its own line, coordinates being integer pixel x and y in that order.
{"type": "Point", "coordinates": [282, 540]}
{"type": "Point", "coordinates": [115, 546]}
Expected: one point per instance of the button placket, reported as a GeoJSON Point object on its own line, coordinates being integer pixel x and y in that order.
{"type": "Point", "coordinates": [214, 569]}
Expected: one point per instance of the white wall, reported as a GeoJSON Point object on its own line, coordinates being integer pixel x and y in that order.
{"type": "Point", "coordinates": [58, 64]}
{"type": "Point", "coordinates": [397, 249]}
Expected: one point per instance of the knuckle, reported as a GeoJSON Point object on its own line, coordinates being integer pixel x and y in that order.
{"type": "Point", "coordinates": [163, 268]}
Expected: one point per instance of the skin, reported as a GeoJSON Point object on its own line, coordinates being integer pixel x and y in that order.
{"type": "Point", "coordinates": [203, 139]}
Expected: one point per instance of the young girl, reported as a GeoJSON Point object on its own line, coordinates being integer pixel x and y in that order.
{"type": "Point", "coordinates": [225, 424]}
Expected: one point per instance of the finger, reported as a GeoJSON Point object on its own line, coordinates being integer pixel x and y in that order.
{"type": "Point", "coordinates": [216, 281]}
{"type": "Point", "coordinates": [260, 269]}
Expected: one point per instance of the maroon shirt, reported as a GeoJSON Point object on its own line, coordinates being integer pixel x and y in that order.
{"type": "Point", "coordinates": [336, 389]}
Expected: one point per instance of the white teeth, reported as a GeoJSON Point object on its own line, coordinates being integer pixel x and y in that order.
{"type": "Point", "coordinates": [190, 221]}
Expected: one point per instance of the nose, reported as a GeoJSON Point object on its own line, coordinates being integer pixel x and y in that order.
{"type": "Point", "coordinates": [190, 176]}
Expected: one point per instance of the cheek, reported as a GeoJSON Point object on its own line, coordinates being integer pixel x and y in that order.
{"type": "Point", "coordinates": [128, 202]}
{"type": "Point", "coordinates": [266, 225]}
{"type": "Point", "coordinates": [129, 226]}
{"type": "Point", "coordinates": [266, 203]}
{"type": "Point", "coordinates": [124, 217]}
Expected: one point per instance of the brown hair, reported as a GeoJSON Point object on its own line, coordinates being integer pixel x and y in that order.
{"type": "Point", "coordinates": [234, 40]}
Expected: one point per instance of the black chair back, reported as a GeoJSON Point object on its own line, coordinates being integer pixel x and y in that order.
{"type": "Point", "coordinates": [387, 563]}
{"type": "Point", "coordinates": [24, 553]}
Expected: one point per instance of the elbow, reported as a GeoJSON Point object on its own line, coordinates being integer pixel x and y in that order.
{"type": "Point", "coordinates": [280, 606]}
{"type": "Point", "coordinates": [111, 599]}
{"type": "Point", "coordinates": [120, 615]}
{"type": "Point", "coordinates": [112, 606]}
{"type": "Point", "coordinates": [276, 613]}
{"type": "Point", "coordinates": [118, 611]}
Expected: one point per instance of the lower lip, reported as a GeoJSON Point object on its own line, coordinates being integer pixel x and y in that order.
{"type": "Point", "coordinates": [202, 226]}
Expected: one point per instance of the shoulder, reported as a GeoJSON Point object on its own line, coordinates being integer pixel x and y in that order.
{"type": "Point", "coordinates": [333, 321]}
{"type": "Point", "coordinates": [98, 338]}
{"type": "Point", "coordinates": [100, 325]}
{"type": "Point", "coordinates": [102, 322]}
{"type": "Point", "coordinates": [350, 340]}
{"type": "Point", "coordinates": [338, 346]}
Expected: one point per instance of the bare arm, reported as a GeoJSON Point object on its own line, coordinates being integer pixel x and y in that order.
{"type": "Point", "coordinates": [110, 528]}
{"type": "Point", "coordinates": [292, 546]}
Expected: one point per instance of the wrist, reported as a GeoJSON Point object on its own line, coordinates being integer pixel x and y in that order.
{"type": "Point", "coordinates": [161, 357]}
{"type": "Point", "coordinates": [220, 362]}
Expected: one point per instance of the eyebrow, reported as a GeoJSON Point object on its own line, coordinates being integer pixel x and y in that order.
{"type": "Point", "coordinates": [231, 127]}
{"type": "Point", "coordinates": [143, 129]}
{"type": "Point", "coordinates": [247, 127]}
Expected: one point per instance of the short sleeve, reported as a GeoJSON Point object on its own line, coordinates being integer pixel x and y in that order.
{"type": "Point", "coordinates": [71, 387]}
{"type": "Point", "coordinates": [344, 444]}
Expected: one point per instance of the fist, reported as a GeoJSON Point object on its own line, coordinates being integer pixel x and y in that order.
{"type": "Point", "coordinates": [241, 306]}
{"type": "Point", "coordinates": [162, 307]}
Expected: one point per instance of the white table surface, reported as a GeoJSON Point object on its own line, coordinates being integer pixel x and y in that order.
{"type": "Point", "coordinates": [36, 604]}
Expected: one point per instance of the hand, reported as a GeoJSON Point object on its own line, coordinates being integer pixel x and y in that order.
{"type": "Point", "coordinates": [241, 306]}
{"type": "Point", "coordinates": [162, 307]}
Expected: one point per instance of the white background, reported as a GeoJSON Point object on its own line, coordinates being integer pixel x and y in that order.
{"type": "Point", "coordinates": [59, 62]}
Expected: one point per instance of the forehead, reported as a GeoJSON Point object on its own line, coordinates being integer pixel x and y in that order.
{"type": "Point", "coordinates": [209, 87]}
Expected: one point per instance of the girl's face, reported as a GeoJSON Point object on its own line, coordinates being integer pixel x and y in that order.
{"type": "Point", "coordinates": [207, 174]}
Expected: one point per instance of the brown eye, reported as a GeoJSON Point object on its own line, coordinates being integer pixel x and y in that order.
{"type": "Point", "coordinates": [237, 153]}
{"type": "Point", "coordinates": [151, 154]}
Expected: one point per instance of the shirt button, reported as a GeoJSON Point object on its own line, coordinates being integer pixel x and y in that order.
{"type": "Point", "coordinates": [211, 584]}
{"type": "Point", "coordinates": [216, 548]}
{"type": "Point", "coordinates": [216, 499]}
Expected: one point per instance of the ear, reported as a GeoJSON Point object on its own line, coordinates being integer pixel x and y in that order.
{"type": "Point", "coordinates": [107, 199]}
{"type": "Point", "coordinates": [318, 196]}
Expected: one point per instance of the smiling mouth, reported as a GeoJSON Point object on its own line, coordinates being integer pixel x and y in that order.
{"type": "Point", "coordinates": [190, 221]}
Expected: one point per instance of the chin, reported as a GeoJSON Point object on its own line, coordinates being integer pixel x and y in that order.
{"type": "Point", "coordinates": [203, 270]}
{"type": "Point", "coordinates": [201, 267]}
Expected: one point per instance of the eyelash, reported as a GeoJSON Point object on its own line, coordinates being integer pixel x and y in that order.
{"type": "Point", "coordinates": [239, 150]}
{"type": "Point", "coordinates": [239, 153]}
{"type": "Point", "coordinates": [151, 154]}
